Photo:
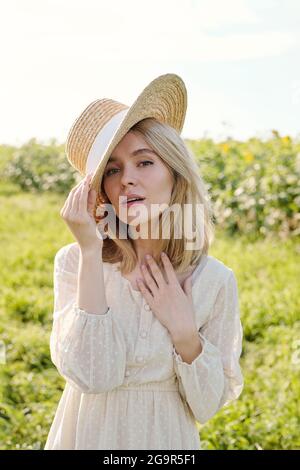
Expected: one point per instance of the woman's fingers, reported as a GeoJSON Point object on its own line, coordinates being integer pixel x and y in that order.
{"type": "Point", "coordinates": [72, 201]}
{"type": "Point", "coordinates": [82, 197]}
{"type": "Point", "coordinates": [67, 206]}
{"type": "Point", "coordinates": [171, 275]}
{"type": "Point", "coordinates": [91, 201]}
{"type": "Point", "coordinates": [150, 281]}
{"type": "Point", "coordinates": [78, 196]}
{"type": "Point", "coordinates": [68, 202]}
{"type": "Point", "coordinates": [74, 205]}
{"type": "Point", "coordinates": [76, 216]}
{"type": "Point", "coordinates": [156, 272]}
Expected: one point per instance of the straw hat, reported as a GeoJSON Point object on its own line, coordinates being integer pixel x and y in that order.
{"type": "Point", "coordinates": [104, 122]}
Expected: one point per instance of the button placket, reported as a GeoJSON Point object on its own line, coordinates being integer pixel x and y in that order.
{"type": "Point", "coordinates": [143, 335]}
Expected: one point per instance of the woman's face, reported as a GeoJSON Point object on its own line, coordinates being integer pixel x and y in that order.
{"type": "Point", "coordinates": [131, 170]}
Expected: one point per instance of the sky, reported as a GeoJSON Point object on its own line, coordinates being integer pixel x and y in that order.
{"type": "Point", "coordinates": [239, 60]}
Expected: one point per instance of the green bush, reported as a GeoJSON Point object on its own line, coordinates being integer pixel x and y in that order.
{"type": "Point", "coordinates": [37, 167]}
{"type": "Point", "coordinates": [267, 414]}
{"type": "Point", "coordinates": [254, 185]}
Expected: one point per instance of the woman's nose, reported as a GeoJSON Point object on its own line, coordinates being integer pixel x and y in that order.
{"type": "Point", "coordinates": [128, 176]}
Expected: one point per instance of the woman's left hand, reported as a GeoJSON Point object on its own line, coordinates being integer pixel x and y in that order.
{"type": "Point", "coordinates": [171, 304]}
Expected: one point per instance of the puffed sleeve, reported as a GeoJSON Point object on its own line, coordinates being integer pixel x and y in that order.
{"type": "Point", "coordinates": [214, 378]}
{"type": "Point", "coordinates": [87, 349]}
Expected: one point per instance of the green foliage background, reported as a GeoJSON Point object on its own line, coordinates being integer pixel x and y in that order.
{"type": "Point", "coordinates": [254, 187]}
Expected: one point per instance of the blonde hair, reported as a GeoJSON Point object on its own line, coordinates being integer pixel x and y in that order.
{"type": "Point", "coordinates": [188, 188]}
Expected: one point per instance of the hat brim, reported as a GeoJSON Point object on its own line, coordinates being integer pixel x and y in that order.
{"type": "Point", "coordinates": [164, 99]}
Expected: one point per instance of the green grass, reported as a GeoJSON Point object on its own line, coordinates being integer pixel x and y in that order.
{"type": "Point", "coordinates": [266, 415]}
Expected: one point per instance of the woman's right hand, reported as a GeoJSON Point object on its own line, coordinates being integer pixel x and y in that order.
{"type": "Point", "coordinates": [77, 212]}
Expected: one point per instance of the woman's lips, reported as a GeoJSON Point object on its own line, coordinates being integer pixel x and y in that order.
{"type": "Point", "coordinates": [128, 204]}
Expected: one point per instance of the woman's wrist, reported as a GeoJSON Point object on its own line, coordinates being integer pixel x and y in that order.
{"type": "Point", "coordinates": [91, 250]}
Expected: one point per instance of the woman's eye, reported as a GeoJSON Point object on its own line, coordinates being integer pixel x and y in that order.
{"type": "Point", "coordinates": [108, 173]}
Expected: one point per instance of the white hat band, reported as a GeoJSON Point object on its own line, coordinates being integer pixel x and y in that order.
{"type": "Point", "coordinates": [102, 141]}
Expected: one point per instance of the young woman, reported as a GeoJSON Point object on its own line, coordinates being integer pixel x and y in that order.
{"type": "Point", "coordinates": [147, 346]}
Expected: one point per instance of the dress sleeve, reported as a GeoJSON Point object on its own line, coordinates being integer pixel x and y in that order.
{"type": "Point", "coordinates": [87, 349]}
{"type": "Point", "coordinates": [214, 378]}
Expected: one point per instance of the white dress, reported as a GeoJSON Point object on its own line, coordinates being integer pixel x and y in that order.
{"type": "Point", "coordinates": [126, 386]}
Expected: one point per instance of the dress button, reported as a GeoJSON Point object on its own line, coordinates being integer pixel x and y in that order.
{"type": "Point", "coordinates": [140, 358]}
{"type": "Point", "coordinates": [147, 307]}
{"type": "Point", "coordinates": [127, 373]}
{"type": "Point", "coordinates": [143, 334]}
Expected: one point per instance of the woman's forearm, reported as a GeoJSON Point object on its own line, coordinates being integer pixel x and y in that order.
{"type": "Point", "coordinates": [90, 289]}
